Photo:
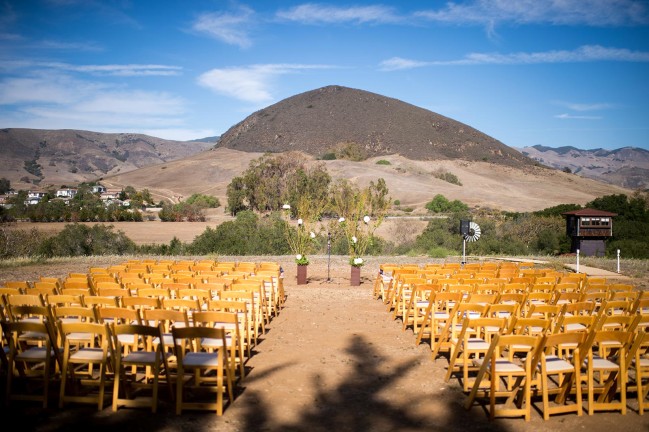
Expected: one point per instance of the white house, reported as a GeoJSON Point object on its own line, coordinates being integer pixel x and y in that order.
{"type": "Point", "coordinates": [66, 193]}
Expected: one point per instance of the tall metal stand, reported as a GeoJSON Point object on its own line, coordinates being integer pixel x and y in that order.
{"type": "Point", "coordinates": [328, 256]}
{"type": "Point", "coordinates": [463, 250]}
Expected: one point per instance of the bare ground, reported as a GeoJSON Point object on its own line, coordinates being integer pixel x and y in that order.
{"type": "Point", "coordinates": [333, 359]}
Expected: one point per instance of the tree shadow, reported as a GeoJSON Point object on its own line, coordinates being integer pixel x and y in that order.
{"type": "Point", "coordinates": [359, 403]}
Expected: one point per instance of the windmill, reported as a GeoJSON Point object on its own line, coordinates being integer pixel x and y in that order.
{"type": "Point", "coordinates": [470, 232]}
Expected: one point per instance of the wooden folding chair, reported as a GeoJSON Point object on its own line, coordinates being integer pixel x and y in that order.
{"type": "Point", "coordinates": [229, 322]}
{"type": "Point", "coordinates": [437, 312]}
{"type": "Point", "coordinates": [608, 391]}
{"type": "Point", "coordinates": [560, 372]}
{"type": "Point", "coordinates": [453, 326]}
{"type": "Point", "coordinates": [472, 342]}
{"type": "Point", "coordinates": [80, 383]}
{"type": "Point", "coordinates": [28, 364]}
{"type": "Point", "coordinates": [507, 378]}
{"type": "Point", "coordinates": [638, 362]}
{"type": "Point", "coordinates": [147, 362]}
{"type": "Point", "coordinates": [192, 357]}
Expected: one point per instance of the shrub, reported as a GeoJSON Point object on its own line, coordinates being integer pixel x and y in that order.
{"type": "Point", "coordinates": [20, 243]}
{"type": "Point", "coordinates": [447, 177]}
{"type": "Point", "coordinates": [440, 204]}
{"type": "Point", "coordinates": [328, 156]}
{"type": "Point", "coordinates": [383, 162]}
{"type": "Point", "coordinates": [81, 240]}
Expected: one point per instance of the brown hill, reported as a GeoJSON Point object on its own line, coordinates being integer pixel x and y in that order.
{"type": "Point", "coordinates": [67, 157]}
{"type": "Point", "coordinates": [413, 183]}
{"type": "Point", "coordinates": [316, 121]}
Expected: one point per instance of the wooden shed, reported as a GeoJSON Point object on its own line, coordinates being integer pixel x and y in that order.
{"type": "Point", "coordinates": [589, 229]}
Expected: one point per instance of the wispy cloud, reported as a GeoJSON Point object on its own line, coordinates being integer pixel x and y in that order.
{"type": "Point", "coordinates": [597, 13]}
{"type": "Point", "coordinates": [53, 99]}
{"type": "Point", "coordinates": [399, 63]}
{"type": "Point", "coordinates": [576, 117]}
{"type": "Point", "coordinates": [70, 46]}
{"type": "Point", "coordinates": [123, 70]}
{"type": "Point", "coordinates": [313, 13]}
{"type": "Point", "coordinates": [231, 28]}
{"type": "Point", "coordinates": [581, 107]}
{"type": "Point", "coordinates": [252, 83]}
{"type": "Point", "coordinates": [587, 53]}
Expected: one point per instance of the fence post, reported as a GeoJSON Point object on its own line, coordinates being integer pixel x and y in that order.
{"type": "Point", "coordinates": [577, 260]}
{"type": "Point", "coordinates": [618, 261]}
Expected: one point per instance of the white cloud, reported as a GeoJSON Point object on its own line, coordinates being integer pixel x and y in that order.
{"type": "Point", "coordinates": [398, 63]}
{"type": "Point", "coordinates": [252, 83]}
{"type": "Point", "coordinates": [598, 13]}
{"type": "Point", "coordinates": [581, 107]}
{"type": "Point", "coordinates": [71, 46]}
{"type": "Point", "coordinates": [229, 28]}
{"type": "Point", "coordinates": [55, 101]}
{"type": "Point", "coordinates": [576, 117]}
{"type": "Point", "coordinates": [312, 13]}
{"type": "Point", "coordinates": [587, 53]}
{"type": "Point", "coordinates": [122, 70]}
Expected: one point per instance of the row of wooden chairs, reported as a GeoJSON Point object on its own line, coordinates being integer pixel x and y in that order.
{"type": "Point", "coordinates": [41, 340]}
{"type": "Point", "coordinates": [531, 350]}
{"type": "Point", "coordinates": [86, 357]}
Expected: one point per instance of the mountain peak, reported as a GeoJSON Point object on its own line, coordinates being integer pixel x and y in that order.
{"type": "Point", "coordinates": [317, 121]}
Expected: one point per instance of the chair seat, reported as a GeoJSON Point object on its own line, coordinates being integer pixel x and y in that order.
{"type": "Point", "coordinates": [555, 365]}
{"type": "Point", "coordinates": [200, 359]}
{"type": "Point", "coordinates": [603, 364]}
{"type": "Point", "coordinates": [503, 366]}
{"type": "Point", "coordinates": [141, 357]}
{"type": "Point", "coordinates": [87, 355]}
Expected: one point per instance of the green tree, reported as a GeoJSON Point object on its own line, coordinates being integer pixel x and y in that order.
{"type": "Point", "coordinates": [440, 204]}
{"type": "Point", "coordinates": [81, 240]}
{"type": "Point", "coordinates": [5, 185]}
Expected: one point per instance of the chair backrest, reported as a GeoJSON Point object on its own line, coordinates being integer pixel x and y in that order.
{"type": "Point", "coordinates": [102, 301]}
{"type": "Point", "coordinates": [121, 315]}
{"type": "Point", "coordinates": [65, 300]}
{"type": "Point", "coordinates": [137, 302]}
{"type": "Point", "coordinates": [529, 326]}
{"type": "Point", "coordinates": [189, 338]}
{"type": "Point", "coordinates": [24, 300]}
{"type": "Point", "coordinates": [169, 318]}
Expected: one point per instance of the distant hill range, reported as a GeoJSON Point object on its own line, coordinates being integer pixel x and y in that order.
{"type": "Point", "coordinates": [30, 157]}
{"type": "Point", "coordinates": [627, 167]}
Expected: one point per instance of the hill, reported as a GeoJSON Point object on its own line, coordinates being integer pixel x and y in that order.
{"type": "Point", "coordinates": [317, 121]}
{"type": "Point", "coordinates": [627, 166]}
{"type": "Point", "coordinates": [68, 157]}
{"type": "Point", "coordinates": [413, 183]}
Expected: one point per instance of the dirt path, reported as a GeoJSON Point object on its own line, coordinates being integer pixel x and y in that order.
{"type": "Point", "coordinates": [332, 360]}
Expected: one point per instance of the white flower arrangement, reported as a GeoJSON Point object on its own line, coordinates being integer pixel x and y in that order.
{"type": "Point", "coordinates": [301, 259]}
{"type": "Point", "coordinates": [357, 262]}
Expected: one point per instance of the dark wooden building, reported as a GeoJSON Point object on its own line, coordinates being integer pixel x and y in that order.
{"type": "Point", "coordinates": [589, 228]}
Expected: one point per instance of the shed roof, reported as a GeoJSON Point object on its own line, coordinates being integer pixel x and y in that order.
{"type": "Point", "coordinates": [589, 212]}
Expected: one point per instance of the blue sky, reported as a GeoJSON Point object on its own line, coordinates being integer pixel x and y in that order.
{"type": "Point", "coordinates": [526, 72]}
